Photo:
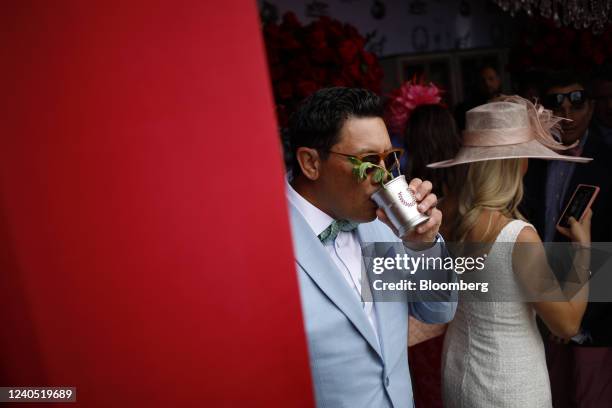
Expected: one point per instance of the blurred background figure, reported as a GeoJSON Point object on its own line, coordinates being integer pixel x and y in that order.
{"type": "Point", "coordinates": [567, 94]}
{"type": "Point", "coordinates": [428, 133]}
{"type": "Point", "coordinates": [431, 135]}
{"type": "Point", "coordinates": [579, 370]}
{"type": "Point", "coordinates": [489, 86]}
{"type": "Point", "coordinates": [489, 82]}
{"type": "Point", "coordinates": [401, 104]}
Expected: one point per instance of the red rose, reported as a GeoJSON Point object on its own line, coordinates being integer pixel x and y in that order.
{"type": "Point", "coordinates": [326, 52]}
{"type": "Point", "coordinates": [305, 88]}
{"type": "Point", "coordinates": [319, 75]}
{"type": "Point", "coordinates": [368, 57]}
{"type": "Point", "coordinates": [348, 50]}
{"type": "Point", "coordinates": [316, 39]}
{"type": "Point", "coordinates": [335, 30]}
{"type": "Point", "coordinates": [323, 55]}
{"type": "Point", "coordinates": [353, 71]}
{"type": "Point", "coordinates": [347, 78]}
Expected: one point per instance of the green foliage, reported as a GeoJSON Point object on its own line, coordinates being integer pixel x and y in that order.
{"type": "Point", "coordinates": [380, 175]}
{"type": "Point", "coordinates": [360, 170]}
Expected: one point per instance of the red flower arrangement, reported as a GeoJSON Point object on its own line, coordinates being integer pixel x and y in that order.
{"type": "Point", "coordinates": [544, 45]}
{"type": "Point", "coordinates": [405, 99]}
{"type": "Point", "coordinates": [323, 53]}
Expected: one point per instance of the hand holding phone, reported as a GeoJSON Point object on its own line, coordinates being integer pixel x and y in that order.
{"type": "Point", "coordinates": [579, 206]}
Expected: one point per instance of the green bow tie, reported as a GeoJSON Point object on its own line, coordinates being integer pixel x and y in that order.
{"type": "Point", "coordinates": [331, 232]}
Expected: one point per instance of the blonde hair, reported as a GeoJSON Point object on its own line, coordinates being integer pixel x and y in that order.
{"type": "Point", "coordinates": [495, 185]}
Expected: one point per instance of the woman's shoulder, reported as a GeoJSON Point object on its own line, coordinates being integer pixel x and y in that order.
{"type": "Point", "coordinates": [517, 230]}
{"type": "Point", "coordinates": [527, 233]}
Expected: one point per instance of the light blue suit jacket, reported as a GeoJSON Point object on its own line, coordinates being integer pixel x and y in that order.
{"type": "Point", "coordinates": [349, 368]}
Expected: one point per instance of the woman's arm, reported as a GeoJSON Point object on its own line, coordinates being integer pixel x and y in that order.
{"type": "Point", "coordinates": [563, 316]}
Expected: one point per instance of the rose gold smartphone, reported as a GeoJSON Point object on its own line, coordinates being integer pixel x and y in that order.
{"type": "Point", "coordinates": [581, 200]}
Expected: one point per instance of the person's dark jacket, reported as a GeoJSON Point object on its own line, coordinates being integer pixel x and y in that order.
{"type": "Point", "coordinates": [598, 316]}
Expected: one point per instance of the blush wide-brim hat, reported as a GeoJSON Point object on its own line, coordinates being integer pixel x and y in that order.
{"type": "Point", "coordinates": [509, 128]}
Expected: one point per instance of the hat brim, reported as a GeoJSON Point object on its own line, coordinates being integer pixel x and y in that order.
{"type": "Point", "coordinates": [532, 150]}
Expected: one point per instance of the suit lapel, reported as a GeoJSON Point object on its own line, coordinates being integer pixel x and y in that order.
{"type": "Point", "coordinates": [583, 172]}
{"type": "Point", "coordinates": [388, 314]}
{"type": "Point", "coordinates": [315, 260]}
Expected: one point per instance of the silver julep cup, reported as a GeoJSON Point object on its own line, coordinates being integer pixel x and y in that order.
{"type": "Point", "coordinates": [400, 205]}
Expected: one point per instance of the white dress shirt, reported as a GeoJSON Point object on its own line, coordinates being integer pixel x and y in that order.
{"type": "Point", "coordinates": [345, 251]}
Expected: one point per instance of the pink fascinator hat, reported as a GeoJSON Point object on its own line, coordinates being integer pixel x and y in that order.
{"type": "Point", "coordinates": [404, 100]}
{"type": "Point", "coordinates": [511, 127]}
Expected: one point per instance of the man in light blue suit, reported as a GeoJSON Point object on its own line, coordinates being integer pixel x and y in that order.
{"type": "Point", "coordinates": [358, 348]}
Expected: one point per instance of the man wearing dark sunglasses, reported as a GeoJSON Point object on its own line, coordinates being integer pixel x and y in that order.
{"type": "Point", "coordinates": [576, 368]}
{"type": "Point", "coordinates": [568, 96]}
{"type": "Point", "coordinates": [570, 101]}
{"type": "Point", "coordinates": [358, 348]}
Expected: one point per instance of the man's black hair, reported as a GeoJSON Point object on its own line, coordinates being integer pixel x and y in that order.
{"type": "Point", "coordinates": [566, 78]}
{"type": "Point", "coordinates": [319, 118]}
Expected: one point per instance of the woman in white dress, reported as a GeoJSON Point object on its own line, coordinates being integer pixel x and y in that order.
{"type": "Point", "coordinates": [493, 352]}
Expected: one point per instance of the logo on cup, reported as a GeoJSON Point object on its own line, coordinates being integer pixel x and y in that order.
{"type": "Point", "coordinates": [408, 203]}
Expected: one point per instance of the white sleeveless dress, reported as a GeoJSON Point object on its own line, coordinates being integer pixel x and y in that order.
{"type": "Point", "coordinates": [493, 353]}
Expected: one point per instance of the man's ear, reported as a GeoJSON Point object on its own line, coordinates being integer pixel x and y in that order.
{"type": "Point", "coordinates": [310, 162]}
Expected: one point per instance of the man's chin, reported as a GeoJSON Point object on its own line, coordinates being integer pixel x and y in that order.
{"type": "Point", "coordinates": [569, 142]}
{"type": "Point", "coordinates": [570, 136]}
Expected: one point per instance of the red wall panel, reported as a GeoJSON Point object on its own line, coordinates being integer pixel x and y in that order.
{"type": "Point", "coordinates": [145, 252]}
